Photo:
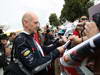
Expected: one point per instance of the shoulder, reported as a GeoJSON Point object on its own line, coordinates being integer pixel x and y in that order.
{"type": "Point", "coordinates": [20, 39]}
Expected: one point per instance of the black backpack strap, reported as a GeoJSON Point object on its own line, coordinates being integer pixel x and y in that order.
{"type": "Point", "coordinates": [13, 51]}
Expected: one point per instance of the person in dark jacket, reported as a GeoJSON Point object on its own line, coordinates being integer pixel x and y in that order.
{"type": "Point", "coordinates": [28, 52]}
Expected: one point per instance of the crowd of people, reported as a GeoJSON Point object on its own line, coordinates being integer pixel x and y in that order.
{"type": "Point", "coordinates": [35, 52]}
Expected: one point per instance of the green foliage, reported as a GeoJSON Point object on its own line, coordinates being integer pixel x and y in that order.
{"type": "Point", "coordinates": [73, 9]}
{"type": "Point", "coordinates": [54, 20]}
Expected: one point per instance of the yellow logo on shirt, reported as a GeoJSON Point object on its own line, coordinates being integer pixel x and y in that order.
{"type": "Point", "coordinates": [26, 52]}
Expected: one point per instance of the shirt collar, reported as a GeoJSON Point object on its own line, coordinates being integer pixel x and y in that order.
{"type": "Point", "coordinates": [28, 33]}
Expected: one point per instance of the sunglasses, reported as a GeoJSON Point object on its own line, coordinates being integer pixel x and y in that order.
{"type": "Point", "coordinates": [84, 19]}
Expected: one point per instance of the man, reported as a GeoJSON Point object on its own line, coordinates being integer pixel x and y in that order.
{"type": "Point", "coordinates": [6, 48]}
{"type": "Point", "coordinates": [78, 35]}
{"type": "Point", "coordinates": [28, 52]}
{"type": "Point", "coordinates": [1, 51]}
{"type": "Point", "coordinates": [12, 37]}
{"type": "Point", "coordinates": [6, 43]}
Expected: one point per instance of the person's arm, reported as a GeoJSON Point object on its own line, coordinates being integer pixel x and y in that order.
{"type": "Point", "coordinates": [57, 43]}
{"type": "Point", "coordinates": [91, 29]}
{"type": "Point", "coordinates": [29, 58]}
{"type": "Point", "coordinates": [49, 48]}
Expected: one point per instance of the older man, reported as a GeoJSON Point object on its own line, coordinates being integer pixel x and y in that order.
{"type": "Point", "coordinates": [28, 53]}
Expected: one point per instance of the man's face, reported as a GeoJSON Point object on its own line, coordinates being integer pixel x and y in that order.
{"type": "Point", "coordinates": [32, 25]}
{"type": "Point", "coordinates": [13, 36]}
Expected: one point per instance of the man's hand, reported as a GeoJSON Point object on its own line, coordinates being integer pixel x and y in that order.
{"type": "Point", "coordinates": [71, 37]}
{"type": "Point", "coordinates": [63, 40]}
{"type": "Point", "coordinates": [75, 39]}
{"type": "Point", "coordinates": [66, 58]}
{"type": "Point", "coordinates": [61, 49]}
{"type": "Point", "coordinates": [91, 29]}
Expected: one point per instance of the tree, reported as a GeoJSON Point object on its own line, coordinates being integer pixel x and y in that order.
{"type": "Point", "coordinates": [73, 9]}
{"type": "Point", "coordinates": [54, 20]}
